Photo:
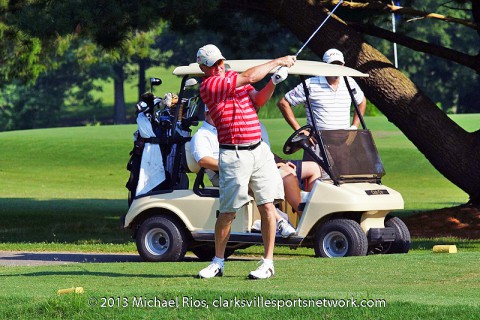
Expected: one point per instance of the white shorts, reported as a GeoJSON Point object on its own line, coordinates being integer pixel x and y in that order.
{"type": "Point", "coordinates": [244, 170]}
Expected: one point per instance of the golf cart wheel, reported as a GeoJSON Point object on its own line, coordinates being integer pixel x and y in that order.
{"type": "Point", "coordinates": [207, 252]}
{"type": "Point", "coordinates": [160, 239]}
{"type": "Point", "coordinates": [340, 238]}
{"type": "Point", "coordinates": [402, 236]}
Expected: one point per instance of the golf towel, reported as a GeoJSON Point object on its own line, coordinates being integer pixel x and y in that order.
{"type": "Point", "coordinates": [152, 171]}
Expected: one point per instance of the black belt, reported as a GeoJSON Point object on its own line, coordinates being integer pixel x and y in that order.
{"type": "Point", "coordinates": [240, 147]}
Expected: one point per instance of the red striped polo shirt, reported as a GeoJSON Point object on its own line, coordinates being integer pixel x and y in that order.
{"type": "Point", "coordinates": [231, 109]}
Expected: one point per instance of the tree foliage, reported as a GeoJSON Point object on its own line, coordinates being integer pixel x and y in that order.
{"type": "Point", "coordinates": [19, 55]}
{"type": "Point", "coordinates": [68, 83]}
{"type": "Point", "coordinates": [438, 70]}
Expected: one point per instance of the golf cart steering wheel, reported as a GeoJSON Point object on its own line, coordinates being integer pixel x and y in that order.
{"type": "Point", "coordinates": [298, 140]}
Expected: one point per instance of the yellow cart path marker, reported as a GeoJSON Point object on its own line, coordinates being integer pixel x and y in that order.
{"type": "Point", "coordinates": [445, 248]}
{"type": "Point", "coordinates": [70, 290]}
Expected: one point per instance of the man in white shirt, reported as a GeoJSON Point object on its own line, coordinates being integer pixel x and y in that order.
{"type": "Point", "coordinates": [205, 148]}
{"type": "Point", "coordinates": [329, 98]}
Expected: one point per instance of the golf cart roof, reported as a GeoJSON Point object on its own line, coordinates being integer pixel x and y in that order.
{"type": "Point", "coordinates": [301, 67]}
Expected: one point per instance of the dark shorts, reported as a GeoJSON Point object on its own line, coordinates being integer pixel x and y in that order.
{"type": "Point", "coordinates": [298, 171]}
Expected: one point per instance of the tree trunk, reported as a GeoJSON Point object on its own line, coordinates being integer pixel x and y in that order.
{"type": "Point", "coordinates": [454, 152]}
{"type": "Point", "coordinates": [120, 110]}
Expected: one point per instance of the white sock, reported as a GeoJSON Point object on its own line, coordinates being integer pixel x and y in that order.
{"type": "Point", "coordinates": [218, 260]}
{"type": "Point", "coordinates": [268, 261]}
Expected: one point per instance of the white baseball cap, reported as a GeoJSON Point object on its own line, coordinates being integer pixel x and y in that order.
{"type": "Point", "coordinates": [332, 55]}
{"type": "Point", "coordinates": [208, 55]}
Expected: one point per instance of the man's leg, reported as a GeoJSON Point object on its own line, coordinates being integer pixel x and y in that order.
{"type": "Point", "coordinates": [222, 232]}
{"type": "Point", "coordinates": [292, 191]}
{"type": "Point", "coordinates": [266, 185]}
{"type": "Point", "coordinates": [266, 270]}
{"type": "Point", "coordinates": [290, 186]}
{"type": "Point", "coordinates": [310, 171]}
{"type": "Point", "coordinates": [267, 214]}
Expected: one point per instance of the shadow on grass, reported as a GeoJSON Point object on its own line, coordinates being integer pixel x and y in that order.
{"type": "Point", "coordinates": [78, 221]}
{"type": "Point", "coordinates": [8, 258]}
{"type": "Point", "coordinates": [36, 258]}
{"type": "Point", "coordinates": [99, 274]}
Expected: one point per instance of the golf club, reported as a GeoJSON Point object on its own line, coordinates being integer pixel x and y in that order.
{"type": "Point", "coordinates": [315, 32]}
{"type": "Point", "coordinates": [154, 82]}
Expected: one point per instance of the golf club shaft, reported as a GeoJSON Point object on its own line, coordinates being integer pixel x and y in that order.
{"type": "Point", "coordinates": [315, 32]}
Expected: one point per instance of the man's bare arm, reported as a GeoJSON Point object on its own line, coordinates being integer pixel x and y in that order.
{"type": "Point", "coordinates": [208, 163]}
{"type": "Point", "coordinates": [287, 113]}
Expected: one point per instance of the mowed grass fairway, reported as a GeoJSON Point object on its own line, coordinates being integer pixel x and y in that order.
{"type": "Point", "coordinates": [63, 190]}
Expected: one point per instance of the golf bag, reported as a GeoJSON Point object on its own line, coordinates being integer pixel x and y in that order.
{"type": "Point", "coordinates": [170, 119]}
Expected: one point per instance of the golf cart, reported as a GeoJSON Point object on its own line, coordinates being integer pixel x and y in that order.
{"type": "Point", "coordinates": [344, 214]}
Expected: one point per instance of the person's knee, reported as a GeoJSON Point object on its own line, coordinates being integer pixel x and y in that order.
{"type": "Point", "coordinates": [286, 171]}
{"type": "Point", "coordinates": [311, 170]}
{"type": "Point", "coordinates": [290, 179]}
{"type": "Point", "coordinates": [267, 209]}
{"type": "Point", "coordinates": [226, 217]}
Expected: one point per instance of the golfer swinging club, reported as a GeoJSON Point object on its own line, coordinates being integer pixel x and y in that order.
{"type": "Point", "coordinates": [245, 162]}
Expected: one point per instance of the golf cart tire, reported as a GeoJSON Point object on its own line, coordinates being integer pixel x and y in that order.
{"type": "Point", "coordinates": [160, 239]}
{"type": "Point", "coordinates": [402, 235]}
{"type": "Point", "coordinates": [340, 238]}
{"type": "Point", "coordinates": [207, 252]}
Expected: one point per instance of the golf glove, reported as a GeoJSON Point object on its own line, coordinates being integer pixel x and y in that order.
{"type": "Point", "coordinates": [280, 75]}
{"type": "Point", "coordinates": [353, 127]}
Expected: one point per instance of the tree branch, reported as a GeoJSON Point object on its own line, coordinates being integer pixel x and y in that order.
{"type": "Point", "coordinates": [469, 61]}
{"type": "Point", "coordinates": [380, 6]}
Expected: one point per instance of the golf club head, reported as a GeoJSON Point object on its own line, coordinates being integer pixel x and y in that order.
{"type": "Point", "coordinates": [190, 82]}
{"type": "Point", "coordinates": [155, 82]}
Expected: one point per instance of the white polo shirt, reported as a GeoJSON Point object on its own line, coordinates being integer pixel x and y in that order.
{"type": "Point", "coordinates": [205, 143]}
{"type": "Point", "coordinates": [331, 108]}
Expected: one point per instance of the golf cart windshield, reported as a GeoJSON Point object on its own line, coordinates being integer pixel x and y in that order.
{"type": "Point", "coordinates": [352, 154]}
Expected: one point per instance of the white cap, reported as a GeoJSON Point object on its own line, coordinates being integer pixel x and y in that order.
{"type": "Point", "coordinates": [332, 55]}
{"type": "Point", "coordinates": [208, 55]}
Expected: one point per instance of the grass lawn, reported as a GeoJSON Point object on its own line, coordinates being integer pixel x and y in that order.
{"type": "Point", "coordinates": [63, 190]}
{"type": "Point", "coordinates": [405, 289]}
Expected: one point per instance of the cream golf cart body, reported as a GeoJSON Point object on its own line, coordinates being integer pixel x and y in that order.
{"type": "Point", "coordinates": [346, 214]}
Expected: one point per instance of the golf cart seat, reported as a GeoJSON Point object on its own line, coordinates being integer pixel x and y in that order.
{"type": "Point", "coordinates": [193, 166]}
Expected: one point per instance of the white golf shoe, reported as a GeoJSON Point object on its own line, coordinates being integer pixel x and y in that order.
{"type": "Point", "coordinates": [265, 270]}
{"type": "Point", "coordinates": [214, 269]}
{"type": "Point", "coordinates": [285, 229]}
